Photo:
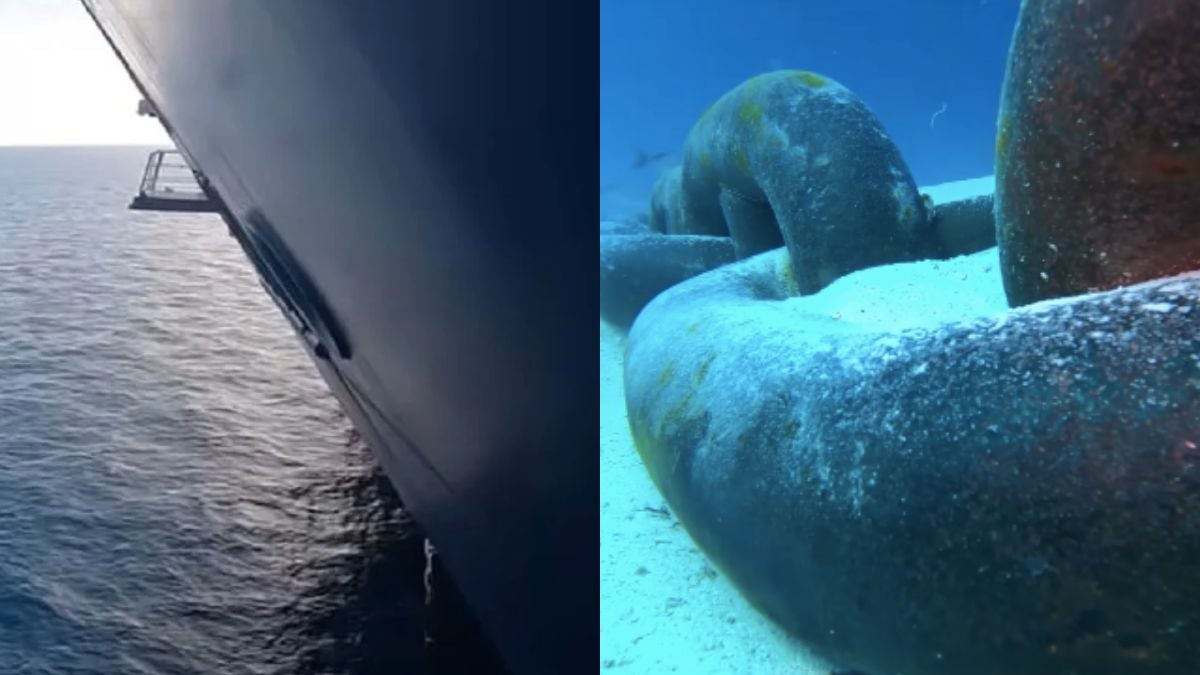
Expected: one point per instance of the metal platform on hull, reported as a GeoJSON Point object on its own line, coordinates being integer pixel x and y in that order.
{"type": "Point", "coordinates": [169, 184]}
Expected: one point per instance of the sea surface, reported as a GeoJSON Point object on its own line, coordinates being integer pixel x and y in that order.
{"type": "Point", "coordinates": [179, 493]}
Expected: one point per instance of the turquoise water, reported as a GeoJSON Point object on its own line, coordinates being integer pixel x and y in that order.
{"type": "Point", "coordinates": [931, 73]}
{"type": "Point", "coordinates": [663, 63]}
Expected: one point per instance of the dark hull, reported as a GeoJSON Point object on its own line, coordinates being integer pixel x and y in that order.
{"type": "Point", "coordinates": [396, 173]}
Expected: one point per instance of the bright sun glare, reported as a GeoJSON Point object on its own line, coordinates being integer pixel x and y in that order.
{"type": "Point", "coordinates": [61, 84]}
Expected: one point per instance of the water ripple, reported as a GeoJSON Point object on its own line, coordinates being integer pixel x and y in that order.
{"type": "Point", "coordinates": [178, 491]}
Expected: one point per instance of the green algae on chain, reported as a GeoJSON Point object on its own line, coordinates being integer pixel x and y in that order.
{"type": "Point", "coordinates": [792, 158]}
{"type": "Point", "coordinates": [1014, 510]}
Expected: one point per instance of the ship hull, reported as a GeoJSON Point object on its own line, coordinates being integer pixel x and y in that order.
{"type": "Point", "coordinates": [397, 174]}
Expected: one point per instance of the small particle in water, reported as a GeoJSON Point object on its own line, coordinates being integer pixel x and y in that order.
{"type": "Point", "coordinates": [642, 571]}
{"type": "Point", "coordinates": [1044, 276]}
{"type": "Point", "coordinates": [660, 511]}
{"type": "Point", "coordinates": [1035, 565]}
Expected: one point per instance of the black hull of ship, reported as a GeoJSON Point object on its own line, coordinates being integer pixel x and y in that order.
{"type": "Point", "coordinates": [399, 175]}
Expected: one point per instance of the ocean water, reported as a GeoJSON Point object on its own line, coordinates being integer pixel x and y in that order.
{"type": "Point", "coordinates": [179, 493]}
{"type": "Point", "coordinates": [932, 73]}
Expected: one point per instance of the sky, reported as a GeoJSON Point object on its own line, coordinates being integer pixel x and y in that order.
{"type": "Point", "coordinates": [61, 84]}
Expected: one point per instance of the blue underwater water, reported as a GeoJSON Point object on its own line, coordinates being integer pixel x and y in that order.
{"type": "Point", "coordinates": [178, 491]}
{"type": "Point", "coordinates": [867, 416]}
{"type": "Point", "coordinates": [931, 72]}
{"type": "Point", "coordinates": [662, 63]}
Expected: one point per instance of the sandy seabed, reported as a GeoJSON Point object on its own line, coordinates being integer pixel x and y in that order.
{"type": "Point", "coordinates": [663, 606]}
